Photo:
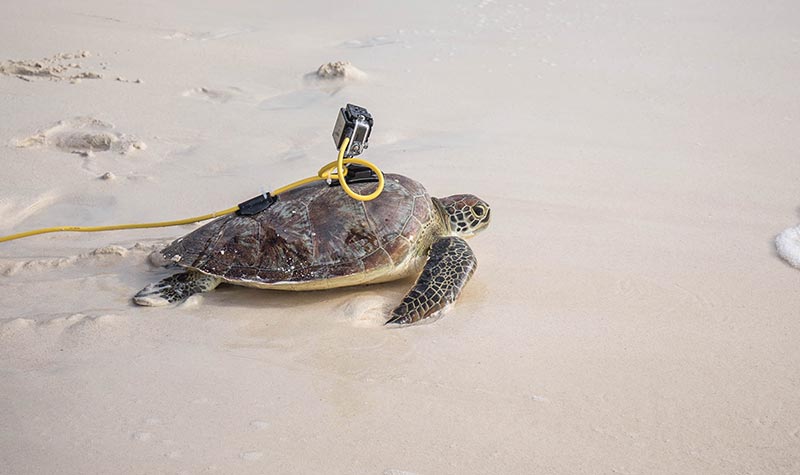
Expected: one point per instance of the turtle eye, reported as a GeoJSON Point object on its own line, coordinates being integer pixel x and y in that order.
{"type": "Point", "coordinates": [479, 211]}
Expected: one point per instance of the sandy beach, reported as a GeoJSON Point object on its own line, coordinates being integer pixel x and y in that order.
{"type": "Point", "coordinates": [630, 313]}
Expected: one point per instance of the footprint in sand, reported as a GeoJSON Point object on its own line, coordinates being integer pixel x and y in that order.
{"type": "Point", "coordinates": [365, 310]}
{"type": "Point", "coordinates": [207, 35]}
{"type": "Point", "coordinates": [251, 456]}
{"type": "Point", "coordinates": [370, 42]}
{"type": "Point", "coordinates": [142, 436]}
{"type": "Point", "coordinates": [84, 136]}
{"type": "Point", "coordinates": [167, 444]}
{"type": "Point", "coordinates": [324, 83]}
{"type": "Point", "coordinates": [59, 67]}
{"type": "Point", "coordinates": [259, 425]}
{"type": "Point", "coordinates": [218, 96]}
{"type": "Point", "coordinates": [173, 454]}
{"type": "Point", "coordinates": [293, 100]}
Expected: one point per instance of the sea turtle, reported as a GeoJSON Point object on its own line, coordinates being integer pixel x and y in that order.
{"type": "Point", "coordinates": [317, 237]}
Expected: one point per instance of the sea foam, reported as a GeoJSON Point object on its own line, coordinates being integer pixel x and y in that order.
{"type": "Point", "coordinates": [788, 245]}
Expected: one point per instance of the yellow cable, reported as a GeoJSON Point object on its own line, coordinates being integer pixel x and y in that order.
{"type": "Point", "coordinates": [324, 173]}
{"type": "Point", "coordinates": [93, 229]}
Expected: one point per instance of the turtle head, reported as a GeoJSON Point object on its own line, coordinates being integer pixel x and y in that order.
{"type": "Point", "coordinates": [466, 214]}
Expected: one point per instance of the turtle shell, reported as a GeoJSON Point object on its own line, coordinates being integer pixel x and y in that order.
{"type": "Point", "coordinates": [315, 232]}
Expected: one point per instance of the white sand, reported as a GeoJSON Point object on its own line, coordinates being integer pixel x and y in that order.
{"type": "Point", "coordinates": [629, 314]}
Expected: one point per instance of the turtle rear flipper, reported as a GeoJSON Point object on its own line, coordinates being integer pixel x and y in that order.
{"type": "Point", "coordinates": [449, 267]}
{"type": "Point", "coordinates": [175, 288]}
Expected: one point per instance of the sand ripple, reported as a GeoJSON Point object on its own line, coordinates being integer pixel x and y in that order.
{"type": "Point", "coordinates": [9, 267]}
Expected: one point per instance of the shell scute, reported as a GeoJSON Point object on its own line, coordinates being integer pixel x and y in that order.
{"type": "Point", "coordinates": [314, 232]}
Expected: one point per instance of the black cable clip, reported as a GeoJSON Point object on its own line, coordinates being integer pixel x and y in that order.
{"type": "Point", "coordinates": [256, 205]}
{"type": "Point", "coordinates": [357, 174]}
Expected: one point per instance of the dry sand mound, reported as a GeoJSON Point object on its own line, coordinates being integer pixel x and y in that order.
{"type": "Point", "coordinates": [339, 70]}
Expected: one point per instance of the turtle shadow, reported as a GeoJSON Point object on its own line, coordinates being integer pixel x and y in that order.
{"type": "Point", "coordinates": [229, 295]}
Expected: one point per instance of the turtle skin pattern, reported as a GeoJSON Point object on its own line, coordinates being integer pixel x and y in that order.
{"type": "Point", "coordinates": [450, 265]}
{"type": "Point", "coordinates": [176, 288]}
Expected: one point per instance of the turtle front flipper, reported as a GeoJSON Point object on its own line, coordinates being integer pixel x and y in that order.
{"type": "Point", "coordinates": [175, 288]}
{"type": "Point", "coordinates": [449, 267]}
